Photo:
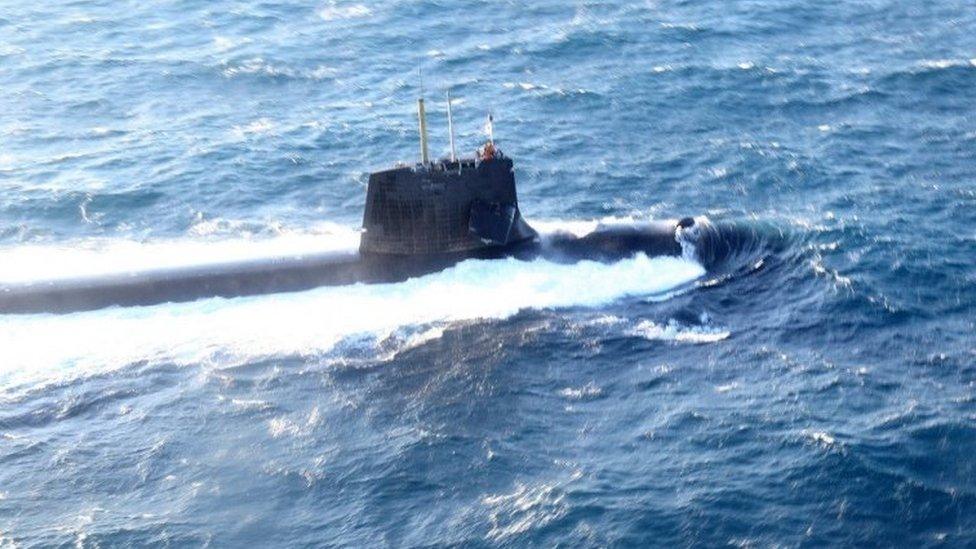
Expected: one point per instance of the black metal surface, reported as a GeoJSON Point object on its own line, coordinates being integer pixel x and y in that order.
{"type": "Point", "coordinates": [301, 273]}
{"type": "Point", "coordinates": [491, 222]}
{"type": "Point", "coordinates": [427, 209]}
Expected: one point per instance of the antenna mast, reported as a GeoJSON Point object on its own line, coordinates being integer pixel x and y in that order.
{"type": "Point", "coordinates": [422, 118]}
{"type": "Point", "coordinates": [450, 126]}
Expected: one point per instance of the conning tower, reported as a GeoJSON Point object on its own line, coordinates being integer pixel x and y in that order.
{"type": "Point", "coordinates": [451, 206]}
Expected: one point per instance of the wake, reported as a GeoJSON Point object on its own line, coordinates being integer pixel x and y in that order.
{"type": "Point", "coordinates": [226, 332]}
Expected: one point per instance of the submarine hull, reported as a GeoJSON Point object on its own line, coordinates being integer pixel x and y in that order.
{"type": "Point", "coordinates": [293, 274]}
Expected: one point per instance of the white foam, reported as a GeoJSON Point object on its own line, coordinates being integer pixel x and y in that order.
{"type": "Point", "coordinates": [101, 256]}
{"type": "Point", "coordinates": [681, 26]}
{"type": "Point", "coordinates": [416, 340]}
{"type": "Point", "coordinates": [258, 66]}
{"type": "Point", "coordinates": [334, 12]}
{"type": "Point", "coordinates": [37, 348]}
{"type": "Point", "coordinates": [257, 127]}
{"type": "Point", "coordinates": [542, 88]}
{"type": "Point", "coordinates": [51, 347]}
{"type": "Point", "coordinates": [946, 63]}
{"type": "Point", "coordinates": [822, 438]}
{"type": "Point", "coordinates": [586, 392]}
{"type": "Point", "coordinates": [674, 332]}
{"type": "Point", "coordinates": [225, 43]}
{"type": "Point", "coordinates": [728, 387]}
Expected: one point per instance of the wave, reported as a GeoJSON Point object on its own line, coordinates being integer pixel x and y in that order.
{"type": "Point", "coordinates": [672, 331]}
{"type": "Point", "coordinates": [941, 64]}
{"type": "Point", "coordinates": [527, 507]}
{"type": "Point", "coordinates": [940, 72]}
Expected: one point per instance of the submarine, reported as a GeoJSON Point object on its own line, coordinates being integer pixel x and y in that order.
{"type": "Point", "coordinates": [418, 219]}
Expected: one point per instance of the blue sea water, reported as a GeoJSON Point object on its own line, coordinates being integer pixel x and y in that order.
{"type": "Point", "coordinates": [819, 388]}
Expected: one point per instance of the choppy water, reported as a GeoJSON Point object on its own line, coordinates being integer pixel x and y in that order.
{"type": "Point", "coordinates": [816, 388]}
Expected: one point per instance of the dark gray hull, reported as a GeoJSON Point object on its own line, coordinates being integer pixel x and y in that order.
{"type": "Point", "coordinates": [303, 273]}
{"type": "Point", "coordinates": [441, 208]}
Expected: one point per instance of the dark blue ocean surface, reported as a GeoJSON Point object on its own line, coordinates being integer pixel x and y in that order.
{"type": "Point", "coordinates": [815, 386]}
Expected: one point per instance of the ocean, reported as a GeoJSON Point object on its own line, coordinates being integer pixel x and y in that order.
{"type": "Point", "coordinates": [816, 386]}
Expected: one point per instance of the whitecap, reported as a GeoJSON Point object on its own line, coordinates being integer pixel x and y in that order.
{"type": "Point", "coordinates": [79, 18]}
{"type": "Point", "coordinates": [323, 72]}
{"type": "Point", "coordinates": [286, 426]}
{"type": "Point", "coordinates": [251, 404]}
{"type": "Point", "coordinates": [526, 86]}
{"type": "Point", "coordinates": [422, 338]}
{"type": "Point", "coordinates": [821, 437]}
{"type": "Point", "coordinates": [334, 12]}
{"type": "Point", "coordinates": [225, 43]}
{"type": "Point", "coordinates": [282, 426]}
{"type": "Point", "coordinates": [941, 63]}
{"type": "Point", "coordinates": [256, 65]}
{"type": "Point", "coordinates": [728, 387]}
{"type": "Point", "coordinates": [605, 320]}
{"type": "Point", "coordinates": [681, 26]}
{"type": "Point", "coordinates": [672, 331]}
{"type": "Point", "coordinates": [589, 391]}
{"type": "Point", "coordinates": [259, 126]}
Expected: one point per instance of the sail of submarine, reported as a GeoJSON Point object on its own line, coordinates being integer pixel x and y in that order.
{"type": "Point", "coordinates": [418, 219]}
{"type": "Point", "coordinates": [446, 207]}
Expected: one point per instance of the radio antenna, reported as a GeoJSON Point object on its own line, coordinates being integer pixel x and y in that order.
{"type": "Point", "coordinates": [422, 119]}
{"type": "Point", "coordinates": [420, 73]}
{"type": "Point", "coordinates": [450, 126]}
